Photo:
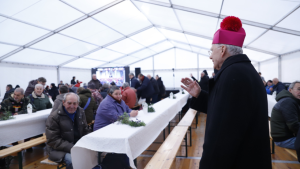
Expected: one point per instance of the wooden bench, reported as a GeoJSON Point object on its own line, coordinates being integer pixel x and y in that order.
{"type": "Point", "coordinates": [273, 144]}
{"type": "Point", "coordinates": [20, 147]}
{"type": "Point", "coordinates": [49, 162]}
{"type": "Point", "coordinates": [291, 152]}
{"type": "Point", "coordinates": [166, 153]}
{"type": "Point", "coordinates": [187, 120]}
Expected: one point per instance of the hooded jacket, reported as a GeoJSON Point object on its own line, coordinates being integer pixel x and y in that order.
{"type": "Point", "coordinates": [285, 117]}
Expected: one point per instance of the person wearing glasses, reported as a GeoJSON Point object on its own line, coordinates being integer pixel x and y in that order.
{"type": "Point", "coordinates": [237, 120]}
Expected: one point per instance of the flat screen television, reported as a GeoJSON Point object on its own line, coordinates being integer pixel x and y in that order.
{"type": "Point", "coordinates": [119, 75]}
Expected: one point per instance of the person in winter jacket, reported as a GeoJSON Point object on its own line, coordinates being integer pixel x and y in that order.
{"type": "Point", "coordinates": [32, 83]}
{"type": "Point", "coordinates": [96, 82]}
{"type": "Point", "coordinates": [156, 89]}
{"type": "Point", "coordinates": [38, 99]}
{"type": "Point", "coordinates": [53, 91]}
{"type": "Point", "coordinates": [285, 117]}
{"type": "Point", "coordinates": [88, 103]}
{"type": "Point", "coordinates": [64, 127]}
{"type": "Point", "coordinates": [278, 86]}
{"type": "Point", "coordinates": [128, 95]}
{"type": "Point", "coordinates": [59, 99]}
{"type": "Point", "coordinates": [134, 81]}
{"type": "Point", "coordinates": [146, 89]}
{"type": "Point", "coordinates": [268, 86]}
{"type": "Point", "coordinates": [104, 90]}
{"type": "Point", "coordinates": [77, 83]}
{"type": "Point", "coordinates": [73, 82]}
{"type": "Point", "coordinates": [16, 104]}
{"type": "Point", "coordinates": [161, 86]}
{"type": "Point", "coordinates": [204, 80]}
{"type": "Point", "coordinates": [9, 91]}
{"type": "Point", "coordinates": [95, 93]}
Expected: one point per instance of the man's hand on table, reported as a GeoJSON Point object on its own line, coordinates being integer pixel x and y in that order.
{"type": "Point", "coordinates": [134, 113]}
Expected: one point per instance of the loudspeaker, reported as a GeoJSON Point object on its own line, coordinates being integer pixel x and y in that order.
{"type": "Point", "coordinates": [137, 71]}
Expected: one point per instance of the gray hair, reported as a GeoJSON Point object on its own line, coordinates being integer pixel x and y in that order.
{"type": "Point", "coordinates": [126, 84]}
{"type": "Point", "coordinates": [38, 85]}
{"type": "Point", "coordinates": [113, 89]}
{"type": "Point", "coordinates": [105, 86]}
{"type": "Point", "coordinates": [232, 50]}
{"type": "Point", "coordinates": [67, 94]}
{"type": "Point", "coordinates": [131, 74]}
{"type": "Point", "coordinates": [293, 84]}
{"type": "Point", "coordinates": [19, 90]}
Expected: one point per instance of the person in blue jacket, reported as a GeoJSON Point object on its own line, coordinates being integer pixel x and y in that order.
{"type": "Point", "coordinates": [269, 85]}
{"type": "Point", "coordinates": [278, 86]}
{"type": "Point", "coordinates": [133, 81]}
{"type": "Point", "coordinates": [146, 89]}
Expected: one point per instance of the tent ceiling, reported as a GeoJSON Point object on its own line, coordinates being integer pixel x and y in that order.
{"type": "Point", "coordinates": [86, 34]}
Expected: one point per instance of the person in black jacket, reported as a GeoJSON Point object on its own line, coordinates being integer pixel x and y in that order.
{"type": "Point", "coordinates": [161, 86]}
{"type": "Point", "coordinates": [146, 89]}
{"type": "Point", "coordinates": [204, 80]}
{"type": "Point", "coordinates": [156, 89]}
{"type": "Point", "coordinates": [285, 120]}
{"type": "Point", "coordinates": [53, 92]}
{"type": "Point", "coordinates": [133, 81]}
{"type": "Point", "coordinates": [73, 82]}
{"type": "Point", "coordinates": [278, 86]}
{"type": "Point", "coordinates": [9, 90]}
{"type": "Point", "coordinates": [104, 90]}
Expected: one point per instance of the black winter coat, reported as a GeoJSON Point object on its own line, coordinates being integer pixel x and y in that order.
{"type": "Point", "coordinates": [237, 120]}
{"type": "Point", "coordinates": [204, 83]}
{"type": "Point", "coordinates": [134, 83]}
{"type": "Point", "coordinates": [53, 92]}
{"type": "Point", "coordinates": [155, 85]}
{"type": "Point", "coordinates": [146, 89]}
{"type": "Point", "coordinates": [104, 93]}
{"type": "Point", "coordinates": [8, 93]}
{"type": "Point", "coordinates": [162, 89]}
{"type": "Point", "coordinates": [61, 131]}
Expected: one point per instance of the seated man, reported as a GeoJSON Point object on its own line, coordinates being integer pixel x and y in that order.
{"type": "Point", "coordinates": [32, 83]}
{"type": "Point", "coordinates": [269, 85]}
{"type": "Point", "coordinates": [278, 86]}
{"type": "Point", "coordinates": [284, 119]}
{"type": "Point", "coordinates": [38, 99]}
{"type": "Point", "coordinates": [64, 127]}
{"type": "Point", "coordinates": [128, 96]}
{"type": "Point", "coordinates": [9, 90]}
{"type": "Point", "coordinates": [16, 104]}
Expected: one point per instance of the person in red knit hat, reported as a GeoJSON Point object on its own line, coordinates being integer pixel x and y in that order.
{"type": "Point", "coordinates": [236, 105]}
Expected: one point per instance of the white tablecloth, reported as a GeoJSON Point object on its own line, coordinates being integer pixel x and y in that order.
{"type": "Point", "coordinates": [119, 138]}
{"type": "Point", "coordinates": [271, 104]}
{"type": "Point", "coordinates": [23, 126]}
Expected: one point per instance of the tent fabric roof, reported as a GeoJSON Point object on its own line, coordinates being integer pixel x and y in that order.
{"type": "Point", "coordinates": [92, 33]}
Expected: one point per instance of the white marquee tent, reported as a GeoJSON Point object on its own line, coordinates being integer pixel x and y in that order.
{"type": "Point", "coordinates": [60, 39]}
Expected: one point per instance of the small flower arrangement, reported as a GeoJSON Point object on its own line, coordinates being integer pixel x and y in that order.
{"type": "Point", "coordinates": [182, 91]}
{"type": "Point", "coordinates": [174, 97]}
{"type": "Point", "coordinates": [6, 116]}
{"type": "Point", "coordinates": [124, 119]}
{"type": "Point", "coordinates": [151, 109]}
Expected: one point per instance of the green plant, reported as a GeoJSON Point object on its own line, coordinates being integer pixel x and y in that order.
{"type": "Point", "coordinates": [124, 119]}
{"type": "Point", "coordinates": [174, 97]}
{"type": "Point", "coordinates": [151, 109]}
{"type": "Point", "coordinates": [6, 116]}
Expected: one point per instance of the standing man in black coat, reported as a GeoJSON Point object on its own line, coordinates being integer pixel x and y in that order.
{"type": "Point", "coordinates": [156, 89]}
{"type": "Point", "coordinates": [73, 82]}
{"type": "Point", "coordinates": [204, 80]}
{"type": "Point", "coordinates": [146, 90]}
{"type": "Point", "coordinates": [133, 81]}
{"type": "Point", "coordinates": [161, 86]}
{"type": "Point", "coordinates": [237, 120]}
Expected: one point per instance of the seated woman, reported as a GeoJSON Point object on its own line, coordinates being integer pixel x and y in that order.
{"type": "Point", "coordinates": [111, 108]}
{"type": "Point", "coordinates": [38, 99]}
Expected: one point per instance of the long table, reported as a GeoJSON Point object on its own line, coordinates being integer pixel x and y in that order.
{"type": "Point", "coordinates": [23, 126]}
{"type": "Point", "coordinates": [123, 139]}
{"type": "Point", "coordinates": [271, 104]}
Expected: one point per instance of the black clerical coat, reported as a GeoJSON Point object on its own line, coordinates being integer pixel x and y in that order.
{"type": "Point", "coordinates": [237, 130]}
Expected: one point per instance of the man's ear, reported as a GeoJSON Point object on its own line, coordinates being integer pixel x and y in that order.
{"type": "Point", "coordinates": [290, 90]}
{"type": "Point", "coordinates": [224, 49]}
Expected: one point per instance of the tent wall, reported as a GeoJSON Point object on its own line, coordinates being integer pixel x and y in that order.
{"type": "Point", "coordinates": [17, 74]}
{"type": "Point", "coordinates": [83, 75]}
{"type": "Point", "coordinates": [269, 69]}
{"type": "Point", "coordinates": [290, 67]}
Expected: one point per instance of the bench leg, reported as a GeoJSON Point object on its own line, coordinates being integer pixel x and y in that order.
{"type": "Point", "coordinates": [164, 134]}
{"type": "Point", "coordinates": [20, 158]}
{"type": "Point", "coordinates": [169, 128]}
{"type": "Point", "coordinates": [196, 119]}
{"type": "Point", "coordinates": [273, 147]}
{"type": "Point", "coordinates": [186, 148]}
{"type": "Point", "coordinates": [135, 162]}
{"type": "Point", "coordinates": [190, 128]}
